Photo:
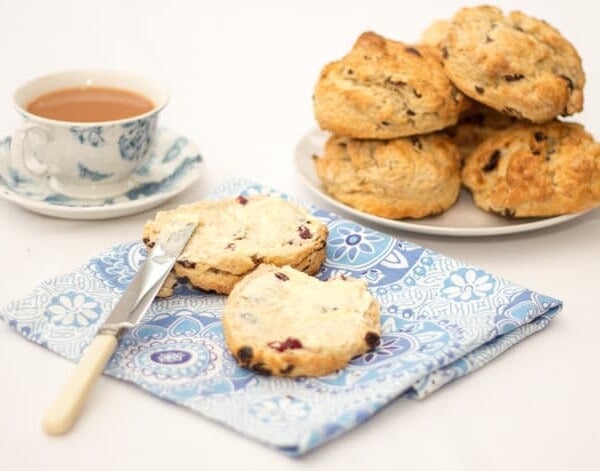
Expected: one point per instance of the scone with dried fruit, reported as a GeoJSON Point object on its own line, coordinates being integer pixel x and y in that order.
{"type": "Point", "coordinates": [280, 321]}
{"type": "Point", "coordinates": [409, 177]}
{"type": "Point", "coordinates": [383, 89]}
{"type": "Point", "coordinates": [535, 171]}
{"type": "Point", "coordinates": [236, 235]}
{"type": "Point", "coordinates": [513, 63]}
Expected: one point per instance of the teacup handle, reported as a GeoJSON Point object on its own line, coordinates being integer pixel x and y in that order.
{"type": "Point", "coordinates": [30, 160]}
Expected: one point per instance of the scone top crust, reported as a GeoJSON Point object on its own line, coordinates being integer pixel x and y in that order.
{"type": "Point", "coordinates": [384, 89]}
{"type": "Point", "coordinates": [515, 63]}
{"type": "Point", "coordinates": [535, 171]}
{"type": "Point", "coordinates": [235, 235]}
{"type": "Point", "coordinates": [280, 321]}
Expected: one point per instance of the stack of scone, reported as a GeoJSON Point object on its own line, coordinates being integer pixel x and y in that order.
{"type": "Point", "coordinates": [475, 102]}
{"type": "Point", "coordinates": [382, 102]}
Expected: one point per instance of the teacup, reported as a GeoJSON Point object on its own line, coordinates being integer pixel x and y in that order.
{"type": "Point", "coordinates": [91, 155]}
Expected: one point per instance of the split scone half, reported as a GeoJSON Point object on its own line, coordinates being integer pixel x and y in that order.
{"type": "Point", "coordinates": [280, 321]}
{"type": "Point", "coordinates": [236, 235]}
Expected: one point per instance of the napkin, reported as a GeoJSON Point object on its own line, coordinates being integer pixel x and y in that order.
{"type": "Point", "coordinates": [441, 319]}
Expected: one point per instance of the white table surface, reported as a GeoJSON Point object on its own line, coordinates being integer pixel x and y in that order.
{"type": "Point", "coordinates": [241, 77]}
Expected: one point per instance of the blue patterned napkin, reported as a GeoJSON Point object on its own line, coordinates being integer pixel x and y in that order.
{"type": "Point", "coordinates": [441, 319]}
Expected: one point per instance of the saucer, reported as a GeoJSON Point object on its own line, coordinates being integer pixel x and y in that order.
{"type": "Point", "coordinates": [173, 166]}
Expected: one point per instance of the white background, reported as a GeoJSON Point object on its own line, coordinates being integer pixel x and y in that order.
{"type": "Point", "coordinates": [241, 76]}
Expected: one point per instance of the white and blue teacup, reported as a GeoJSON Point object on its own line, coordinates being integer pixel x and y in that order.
{"type": "Point", "coordinates": [82, 159]}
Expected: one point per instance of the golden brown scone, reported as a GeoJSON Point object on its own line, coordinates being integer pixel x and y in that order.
{"type": "Point", "coordinates": [280, 321]}
{"type": "Point", "coordinates": [411, 177]}
{"type": "Point", "coordinates": [535, 171]}
{"type": "Point", "coordinates": [236, 235]}
{"type": "Point", "coordinates": [516, 64]}
{"type": "Point", "coordinates": [385, 89]}
{"type": "Point", "coordinates": [477, 124]}
{"type": "Point", "coordinates": [435, 34]}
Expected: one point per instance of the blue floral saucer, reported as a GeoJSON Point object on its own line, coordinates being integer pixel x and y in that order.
{"type": "Point", "coordinates": [174, 165]}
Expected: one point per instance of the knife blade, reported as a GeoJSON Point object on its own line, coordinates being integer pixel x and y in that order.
{"type": "Point", "coordinates": [128, 311]}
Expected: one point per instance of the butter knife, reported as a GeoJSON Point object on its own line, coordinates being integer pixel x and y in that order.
{"type": "Point", "coordinates": [128, 311]}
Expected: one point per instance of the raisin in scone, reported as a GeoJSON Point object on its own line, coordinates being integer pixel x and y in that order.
{"type": "Point", "coordinates": [385, 89]}
{"type": "Point", "coordinates": [411, 177]}
{"type": "Point", "coordinates": [535, 171]}
{"type": "Point", "coordinates": [280, 321]}
{"type": "Point", "coordinates": [236, 235]}
{"type": "Point", "coordinates": [477, 124]}
{"type": "Point", "coordinates": [515, 64]}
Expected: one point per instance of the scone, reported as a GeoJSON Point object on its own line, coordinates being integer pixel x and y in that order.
{"type": "Point", "coordinates": [280, 321]}
{"type": "Point", "coordinates": [535, 170]}
{"type": "Point", "coordinates": [477, 124]}
{"type": "Point", "coordinates": [385, 89]}
{"type": "Point", "coordinates": [435, 34]}
{"type": "Point", "coordinates": [515, 64]}
{"type": "Point", "coordinates": [236, 235]}
{"type": "Point", "coordinates": [411, 177]}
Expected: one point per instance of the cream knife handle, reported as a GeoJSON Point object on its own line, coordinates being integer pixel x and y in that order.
{"type": "Point", "coordinates": [64, 410]}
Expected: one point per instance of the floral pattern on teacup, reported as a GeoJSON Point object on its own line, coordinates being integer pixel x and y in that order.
{"type": "Point", "coordinates": [88, 136]}
{"type": "Point", "coordinates": [86, 173]}
{"type": "Point", "coordinates": [135, 142]}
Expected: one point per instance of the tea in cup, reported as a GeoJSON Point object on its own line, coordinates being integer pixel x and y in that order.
{"type": "Point", "coordinates": [87, 131]}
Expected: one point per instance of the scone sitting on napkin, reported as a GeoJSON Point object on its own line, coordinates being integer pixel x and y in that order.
{"type": "Point", "coordinates": [440, 319]}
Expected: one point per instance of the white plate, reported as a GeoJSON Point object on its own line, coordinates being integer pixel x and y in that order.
{"type": "Point", "coordinates": [463, 219]}
{"type": "Point", "coordinates": [175, 164]}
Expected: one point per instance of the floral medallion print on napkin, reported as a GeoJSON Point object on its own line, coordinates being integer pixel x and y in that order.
{"type": "Point", "coordinates": [441, 319]}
